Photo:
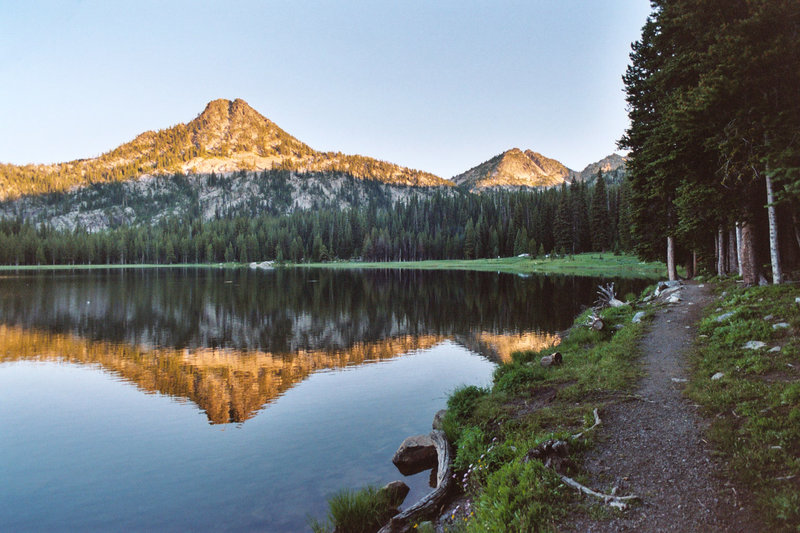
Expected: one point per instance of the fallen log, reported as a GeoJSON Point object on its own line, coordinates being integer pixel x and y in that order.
{"type": "Point", "coordinates": [433, 501]}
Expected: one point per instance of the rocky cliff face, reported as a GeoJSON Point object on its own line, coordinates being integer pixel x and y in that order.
{"type": "Point", "coordinates": [612, 167]}
{"type": "Point", "coordinates": [228, 136]}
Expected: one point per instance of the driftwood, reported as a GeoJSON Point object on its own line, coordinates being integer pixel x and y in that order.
{"type": "Point", "coordinates": [606, 297]}
{"type": "Point", "coordinates": [430, 504]}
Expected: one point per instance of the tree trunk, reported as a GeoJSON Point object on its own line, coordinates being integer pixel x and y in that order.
{"type": "Point", "coordinates": [739, 247]}
{"type": "Point", "coordinates": [749, 264]}
{"type": "Point", "coordinates": [721, 253]}
{"type": "Point", "coordinates": [774, 253]}
{"type": "Point", "coordinates": [694, 263]}
{"type": "Point", "coordinates": [733, 252]}
{"type": "Point", "coordinates": [673, 275]}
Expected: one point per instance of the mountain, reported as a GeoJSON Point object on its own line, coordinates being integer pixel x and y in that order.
{"type": "Point", "coordinates": [514, 168]}
{"type": "Point", "coordinates": [227, 136]}
{"type": "Point", "coordinates": [612, 166]}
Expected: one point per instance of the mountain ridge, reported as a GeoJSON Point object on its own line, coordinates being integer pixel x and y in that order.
{"type": "Point", "coordinates": [515, 168]}
{"type": "Point", "coordinates": [227, 136]}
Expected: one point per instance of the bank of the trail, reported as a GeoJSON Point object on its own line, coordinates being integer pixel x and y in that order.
{"type": "Point", "coordinates": [654, 444]}
{"type": "Point", "coordinates": [728, 463]}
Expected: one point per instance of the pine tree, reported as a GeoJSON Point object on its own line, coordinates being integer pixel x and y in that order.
{"type": "Point", "coordinates": [601, 222]}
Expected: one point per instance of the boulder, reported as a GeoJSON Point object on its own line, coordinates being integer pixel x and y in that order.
{"type": "Point", "coordinates": [397, 492]}
{"type": "Point", "coordinates": [638, 317]}
{"type": "Point", "coordinates": [415, 454]}
{"type": "Point", "coordinates": [438, 419]}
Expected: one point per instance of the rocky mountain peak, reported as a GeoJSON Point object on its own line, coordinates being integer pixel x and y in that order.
{"type": "Point", "coordinates": [514, 168]}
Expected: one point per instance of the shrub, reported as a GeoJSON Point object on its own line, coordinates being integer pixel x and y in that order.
{"type": "Point", "coordinates": [356, 511]}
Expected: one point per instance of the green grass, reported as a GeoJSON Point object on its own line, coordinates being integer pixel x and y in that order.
{"type": "Point", "coordinates": [589, 264]}
{"type": "Point", "coordinates": [494, 428]}
{"type": "Point", "coordinates": [755, 406]}
{"type": "Point", "coordinates": [356, 511]}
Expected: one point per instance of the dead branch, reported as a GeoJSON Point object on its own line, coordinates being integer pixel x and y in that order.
{"type": "Point", "coordinates": [596, 423]}
{"type": "Point", "coordinates": [610, 499]}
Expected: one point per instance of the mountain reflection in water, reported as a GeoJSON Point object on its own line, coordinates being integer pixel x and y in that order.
{"type": "Point", "coordinates": [232, 341]}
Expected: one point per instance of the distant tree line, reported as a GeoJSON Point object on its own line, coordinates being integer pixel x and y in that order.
{"type": "Point", "coordinates": [567, 220]}
{"type": "Point", "coordinates": [714, 165]}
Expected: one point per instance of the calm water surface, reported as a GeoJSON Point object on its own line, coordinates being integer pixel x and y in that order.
{"type": "Point", "coordinates": [239, 400]}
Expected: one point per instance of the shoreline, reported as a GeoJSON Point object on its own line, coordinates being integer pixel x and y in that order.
{"type": "Point", "coordinates": [588, 264]}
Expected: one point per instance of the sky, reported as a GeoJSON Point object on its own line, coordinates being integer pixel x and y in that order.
{"type": "Point", "coordinates": [439, 86]}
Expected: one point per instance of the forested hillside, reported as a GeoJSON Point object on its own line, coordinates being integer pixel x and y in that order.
{"type": "Point", "coordinates": [714, 167]}
{"type": "Point", "coordinates": [442, 224]}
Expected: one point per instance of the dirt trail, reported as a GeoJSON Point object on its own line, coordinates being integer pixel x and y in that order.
{"type": "Point", "coordinates": [654, 447]}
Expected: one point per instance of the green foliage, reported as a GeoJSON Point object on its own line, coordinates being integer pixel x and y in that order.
{"type": "Point", "coordinates": [515, 377]}
{"type": "Point", "coordinates": [356, 511]}
{"type": "Point", "coordinates": [520, 496]}
{"type": "Point", "coordinates": [460, 407]}
{"type": "Point", "coordinates": [755, 407]}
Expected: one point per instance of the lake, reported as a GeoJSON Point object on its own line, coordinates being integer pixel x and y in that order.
{"type": "Point", "coordinates": [236, 399]}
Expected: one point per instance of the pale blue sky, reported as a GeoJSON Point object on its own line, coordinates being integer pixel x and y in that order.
{"type": "Point", "coordinates": [435, 85]}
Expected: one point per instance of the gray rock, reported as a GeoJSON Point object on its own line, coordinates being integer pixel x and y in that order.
{"type": "Point", "coordinates": [415, 454]}
{"type": "Point", "coordinates": [438, 419]}
{"type": "Point", "coordinates": [768, 317]}
{"type": "Point", "coordinates": [725, 316]}
{"type": "Point", "coordinates": [397, 492]}
{"type": "Point", "coordinates": [718, 375]}
{"type": "Point", "coordinates": [679, 380]}
{"type": "Point", "coordinates": [775, 349]}
{"type": "Point", "coordinates": [638, 317]}
{"type": "Point", "coordinates": [753, 345]}
{"type": "Point", "coordinates": [673, 299]}
{"type": "Point", "coordinates": [780, 325]}
{"type": "Point", "coordinates": [797, 300]}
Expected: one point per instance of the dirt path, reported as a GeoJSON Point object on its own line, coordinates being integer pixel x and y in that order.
{"type": "Point", "coordinates": [655, 447]}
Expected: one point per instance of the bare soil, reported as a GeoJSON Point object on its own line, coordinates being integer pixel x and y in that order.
{"type": "Point", "coordinates": [654, 446]}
